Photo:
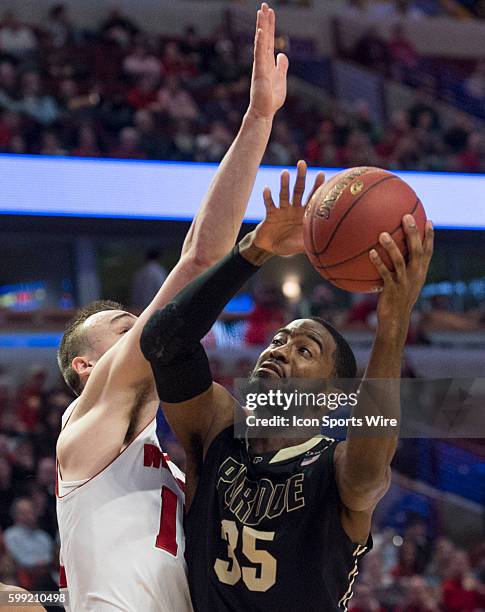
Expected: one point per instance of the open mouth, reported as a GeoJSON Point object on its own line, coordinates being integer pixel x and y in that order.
{"type": "Point", "coordinates": [271, 368]}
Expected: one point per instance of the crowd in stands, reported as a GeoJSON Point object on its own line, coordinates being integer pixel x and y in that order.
{"type": "Point", "coordinates": [271, 310]}
{"type": "Point", "coordinates": [415, 9]}
{"type": "Point", "coordinates": [407, 571]}
{"type": "Point", "coordinates": [459, 83]}
{"type": "Point", "coordinates": [119, 92]}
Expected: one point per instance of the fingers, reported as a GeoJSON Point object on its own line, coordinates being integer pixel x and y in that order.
{"type": "Point", "coordinates": [268, 199]}
{"type": "Point", "coordinates": [428, 243]}
{"type": "Point", "coordinates": [282, 64]}
{"type": "Point", "coordinates": [260, 40]}
{"type": "Point", "coordinates": [299, 187]}
{"type": "Point", "coordinates": [415, 246]}
{"type": "Point", "coordinates": [395, 254]}
{"type": "Point", "coordinates": [381, 267]}
{"type": "Point", "coordinates": [271, 31]}
{"type": "Point", "coordinates": [319, 180]}
{"type": "Point", "coordinates": [285, 189]}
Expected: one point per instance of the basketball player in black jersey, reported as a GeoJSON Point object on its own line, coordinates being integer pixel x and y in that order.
{"type": "Point", "coordinates": [277, 524]}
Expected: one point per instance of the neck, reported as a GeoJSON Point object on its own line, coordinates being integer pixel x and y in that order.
{"type": "Point", "coordinates": [268, 445]}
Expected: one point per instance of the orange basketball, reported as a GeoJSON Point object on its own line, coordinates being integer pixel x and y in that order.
{"type": "Point", "coordinates": [344, 219]}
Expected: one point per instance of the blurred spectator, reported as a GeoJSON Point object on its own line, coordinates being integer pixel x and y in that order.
{"type": "Point", "coordinates": [23, 463]}
{"type": "Point", "coordinates": [219, 106]}
{"type": "Point", "coordinates": [421, 597]}
{"type": "Point", "coordinates": [225, 66]}
{"type": "Point", "coordinates": [141, 62]}
{"type": "Point", "coordinates": [184, 140]}
{"type": "Point", "coordinates": [362, 310]}
{"type": "Point", "coordinates": [42, 107]}
{"type": "Point", "coordinates": [118, 27]}
{"type": "Point", "coordinates": [148, 280]}
{"type": "Point", "coordinates": [441, 316]}
{"type": "Point", "coordinates": [145, 93]}
{"type": "Point", "coordinates": [10, 125]}
{"type": "Point", "coordinates": [267, 315]}
{"type": "Point", "coordinates": [59, 26]}
{"type": "Point", "coordinates": [30, 396]}
{"type": "Point", "coordinates": [471, 158]}
{"type": "Point", "coordinates": [456, 136]}
{"type": "Point", "coordinates": [129, 145]}
{"type": "Point", "coordinates": [8, 84]}
{"type": "Point", "coordinates": [44, 495]}
{"type": "Point", "coordinates": [407, 562]}
{"type": "Point", "coordinates": [443, 551]}
{"type": "Point", "coordinates": [462, 592]}
{"type": "Point", "coordinates": [29, 546]}
{"type": "Point", "coordinates": [212, 146]}
{"type": "Point", "coordinates": [154, 142]}
{"type": "Point", "coordinates": [209, 85]}
{"type": "Point", "coordinates": [357, 9]}
{"type": "Point", "coordinates": [424, 104]}
{"type": "Point", "coordinates": [403, 53]}
{"type": "Point", "coordinates": [282, 148]}
{"type": "Point", "coordinates": [176, 101]}
{"type": "Point", "coordinates": [357, 151]}
{"type": "Point", "coordinates": [321, 149]}
{"type": "Point", "coordinates": [51, 144]}
{"type": "Point", "coordinates": [191, 45]}
{"type": "Point", "coordinates": [87, 142]}
{"type": "Point", "coordinates": [371, 50]}
{"type": "Point", "coordinates": [475, 83]}
{"type": "Point", "coordinates": [16, 39]}
{"type": "Point", "coordinates": [175, 63]}
{"type": "Point", "coordinates": [364, 600]}
{"type": "Point", "coordinates": [416, 533]}
{"type": "Point", "coordinates": [6, 492]}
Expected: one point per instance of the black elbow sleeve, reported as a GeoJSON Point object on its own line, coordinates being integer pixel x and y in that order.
{"type": "Point", "coordinates": [180, 366]}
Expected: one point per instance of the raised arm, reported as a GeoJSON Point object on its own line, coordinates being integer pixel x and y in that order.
{"type": "Point", "coordinates": [196, 408]}
{"type": "Point", "coordinates": [216, 226]}
{"type": "Point", "coordinates": [363, 462]}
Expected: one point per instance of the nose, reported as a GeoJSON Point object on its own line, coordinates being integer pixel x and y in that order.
{"type": "Point", "coordinates": [279, 353]}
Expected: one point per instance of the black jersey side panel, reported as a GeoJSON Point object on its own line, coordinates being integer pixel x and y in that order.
{"type": "Point", "coordinates": [268, 536]}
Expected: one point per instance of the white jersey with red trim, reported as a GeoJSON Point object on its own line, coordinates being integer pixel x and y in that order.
{"type": "Point", "coordinates": [122, 538]}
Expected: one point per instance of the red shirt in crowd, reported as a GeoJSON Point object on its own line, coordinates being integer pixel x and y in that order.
{"type": "Point", "coordinates": [457, 599]}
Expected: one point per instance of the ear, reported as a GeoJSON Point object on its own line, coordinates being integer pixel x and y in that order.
{"type": "Point", "coordinates": [81, 365]}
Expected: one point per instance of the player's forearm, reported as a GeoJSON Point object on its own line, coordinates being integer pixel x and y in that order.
{"type": "Point", "coordinates": [194, 310]}
{"type": "Point", "coordinates": [215, 229]}
{"type": "Point", "coordinates": [369, 450]}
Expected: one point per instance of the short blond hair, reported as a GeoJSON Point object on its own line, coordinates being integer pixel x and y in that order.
{"type": "Point", "coordinates": [75, 341]}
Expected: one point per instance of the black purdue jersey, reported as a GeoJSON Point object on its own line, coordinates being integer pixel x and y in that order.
{"type": "Point", "coordinates": [264, 533]}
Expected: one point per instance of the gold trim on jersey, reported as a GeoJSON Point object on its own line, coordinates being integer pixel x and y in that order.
{"type": "Point", "coordinates": [358, 552]}
{"type": "Point", "coordinates": [293, 451]}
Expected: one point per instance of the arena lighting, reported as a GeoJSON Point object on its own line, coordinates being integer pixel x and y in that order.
{"type": "Point", "coordinates": [77, 187]}
{"type": "Point", "coordinates": [291, 288]}
{"type": "Point", "coordinates": [397, 540]}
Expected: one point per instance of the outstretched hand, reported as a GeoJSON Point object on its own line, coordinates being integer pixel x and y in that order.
{"type": "Point", "coordinates": [281, 232]}
{"type": "Point", "coordinates": [403, 284]}
{"type": "Point", "coordinates": [268, 82]}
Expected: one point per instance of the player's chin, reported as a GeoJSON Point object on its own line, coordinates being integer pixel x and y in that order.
{"type": "Point", "coordinates": [262, 373]}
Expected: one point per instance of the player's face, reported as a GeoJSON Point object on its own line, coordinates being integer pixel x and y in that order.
{"type": "Point", "coordinates": [104, 329]}
{"type": "Point", "coordinates": [302, 349]}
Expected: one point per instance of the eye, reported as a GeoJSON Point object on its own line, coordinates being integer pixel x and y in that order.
{"type": "Point", "coordinates": [276, 342]}
{"type": "Point", "coordinates": [124, 330]}
{"type": "Point", "coordinates": [305, 352]}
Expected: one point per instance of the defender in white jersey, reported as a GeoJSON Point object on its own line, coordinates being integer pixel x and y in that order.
{"type": "Point", "coordinates": [115, 543]}
{"type": "Point", "coordinates": [150, 505]}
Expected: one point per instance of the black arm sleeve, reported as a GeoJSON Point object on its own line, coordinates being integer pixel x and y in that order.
{"type": "Point", "coordinates": [171, 338]}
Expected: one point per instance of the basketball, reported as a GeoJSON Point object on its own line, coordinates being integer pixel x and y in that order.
{"type": "Point", "coordinates": [344, 219]}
